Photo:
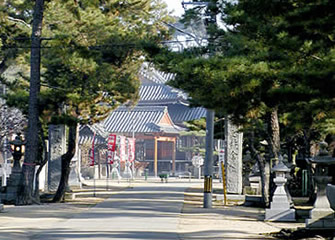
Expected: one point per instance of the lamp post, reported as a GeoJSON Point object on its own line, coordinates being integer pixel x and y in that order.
{"type": "Point", "coordinates": [17, 152]}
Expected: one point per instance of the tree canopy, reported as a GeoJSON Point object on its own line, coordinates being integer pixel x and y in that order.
{"type": "Point", "coordinates": [268, 54]}
{"type": "Point", "coordinates": [91, 53]}
{"type": "Point", "coordinates": [84, 61]}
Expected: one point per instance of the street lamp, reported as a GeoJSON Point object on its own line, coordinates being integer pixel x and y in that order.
{"type": "Point", "coordinates": [17, 146]}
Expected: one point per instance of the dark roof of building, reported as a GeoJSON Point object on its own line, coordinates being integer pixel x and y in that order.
{"type": "Point", "coordinates": [86, 133]}
{"type": "Point", "coordinates": [180, 113]}
{"type": "Point", "coordinates": [149, 74]}
{"type": "Point", "coordinates": [141, 119]}
{"type": "Point", "coordinates": [158, 94]}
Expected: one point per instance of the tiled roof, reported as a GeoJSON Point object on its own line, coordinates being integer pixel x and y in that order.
{"type": "Point", "coordinates": [181, 113]}
{"type": "Point", "coordinates": [86, 133]}
{"type": "Point", "coordinates": [141, 119]}
{"type": "Point", "coordinates": [147, 72]}
{"type": "Point", "coordinates": [153, 94]}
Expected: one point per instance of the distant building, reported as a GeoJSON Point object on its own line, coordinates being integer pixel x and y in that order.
{"type": "Point", "coordinates": [156, 122]}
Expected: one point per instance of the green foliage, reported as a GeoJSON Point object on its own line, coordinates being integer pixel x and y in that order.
{"type": "Point", "coordinates": [91, 56]}
{"type": "Point", "coordinates": [14, 30]}
{"type": "Point", "coordinates": [198, 126]}
{"type": "Point", "coordinates": [271, 54]}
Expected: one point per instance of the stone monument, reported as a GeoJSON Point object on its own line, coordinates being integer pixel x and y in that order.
{"type": "Point", "coordinates": [57, 147]}
{"type": "Point", "coordinates": [322, 215]}
{"type": "Point", "coordinates": [280, 206]}
{"type": "Point", "coordinates": [233, 159]}
{"type": "Point", "coordinates": [74, 176]}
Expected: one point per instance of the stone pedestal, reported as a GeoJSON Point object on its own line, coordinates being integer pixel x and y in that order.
{"type": "Point", "coordinates": [57, 147]}
{"type": "Point", "coordinates": [322, 215]}
{"type": "Point", "coordinates": [12, 187]}
{"type": "Point", "coordinates": [233, 158]}
{"type": "Point", "coordinates": [280, 206]}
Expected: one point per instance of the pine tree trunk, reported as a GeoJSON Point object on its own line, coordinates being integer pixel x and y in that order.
{"type": "Point", "coordinates": [274, 133]}
{"type": "Point", "coordinates": [28, 169]}
{"type": "Point", "coordinates": [44, 161]}
{"type": "Point", "coordinates": [261, 164]}
{"type": "Point", "coordinates": [274, 146]}
{"type": "Point", "coordinates": [307, 154]}
{"type": "Point", "coordinates": [66, 160]}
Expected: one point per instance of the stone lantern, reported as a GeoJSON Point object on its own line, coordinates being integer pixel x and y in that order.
{"type": "Point", "coordinates": [15, 178]}
{"type": "Point", "coordinates": [280, 206]}
{"type": "Point", "coordinates": [17, 152]}
{"type": "Point", "coordinates": [322, 215]}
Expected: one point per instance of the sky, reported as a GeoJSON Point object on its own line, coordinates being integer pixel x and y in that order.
{"type": "Point", "coordinates": [176, 6]}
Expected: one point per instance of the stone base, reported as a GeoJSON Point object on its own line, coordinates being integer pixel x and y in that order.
{"type": "Point", "coordinates": [10, 195]}
{"type": "Point", "coordinates": [280, 215]}
{"type": "Point", "coordinates": [1, 207]}
{"type": "Point", "coordinates": [321, 213]}
{"type": "Point", "coordinates": [320, 223]}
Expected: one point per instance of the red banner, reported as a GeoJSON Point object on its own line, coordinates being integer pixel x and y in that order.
{"type": "Point", "coordinates": [123, 155]}
{"type": "Point", "coordinates": [131, 149]}
{"type": "Point", "coordinates": [92, 152]}
{"type": "Point", "coordinates": [111, 147]}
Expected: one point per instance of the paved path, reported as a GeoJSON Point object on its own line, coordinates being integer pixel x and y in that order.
{"type": "Point", "coordinates": [140, 213]}
{"type": "Point", "coordinates": [147, 211]}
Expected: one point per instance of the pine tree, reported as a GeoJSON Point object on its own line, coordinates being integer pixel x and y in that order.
{"type": "Point", "coordinates": [272, 57]}
{"type": "Point", "coordinates": [90, 56]}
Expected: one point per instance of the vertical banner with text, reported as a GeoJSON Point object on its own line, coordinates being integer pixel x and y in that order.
{"type": "Point", "coordinates": [111, 144]}
{"type": "Point", "coordinates": [131, 149]}
{"type": "Point", "coordinates": [123, 156]}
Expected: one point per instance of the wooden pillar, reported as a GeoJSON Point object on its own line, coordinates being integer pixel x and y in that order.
{"type": "Point", "coordinates": [174, 157]}
{"type": "Point", "coordinates": [156, 157]}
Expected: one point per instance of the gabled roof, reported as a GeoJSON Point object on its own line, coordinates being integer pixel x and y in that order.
{"type": "Point", "coordinates": [86, 133]}
{"type": "Point", "coordinates": [141, 119]}
{"type": "Point", "coordinates": [155, 92]}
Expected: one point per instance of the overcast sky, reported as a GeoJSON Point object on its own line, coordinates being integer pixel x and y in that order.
{"type": "Point", "coordinates": [176, 6]}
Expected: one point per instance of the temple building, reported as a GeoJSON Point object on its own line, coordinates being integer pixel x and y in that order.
{"type": "Point", "coordinates": [156, 122]}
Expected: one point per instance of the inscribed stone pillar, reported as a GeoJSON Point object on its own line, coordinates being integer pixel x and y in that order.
{"type": "Point", "coordinates": [233, 159]}
{"type": "Point", "coordinates": [57, 145]}
{"type": "Point", "coordinates": [74, 178]}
